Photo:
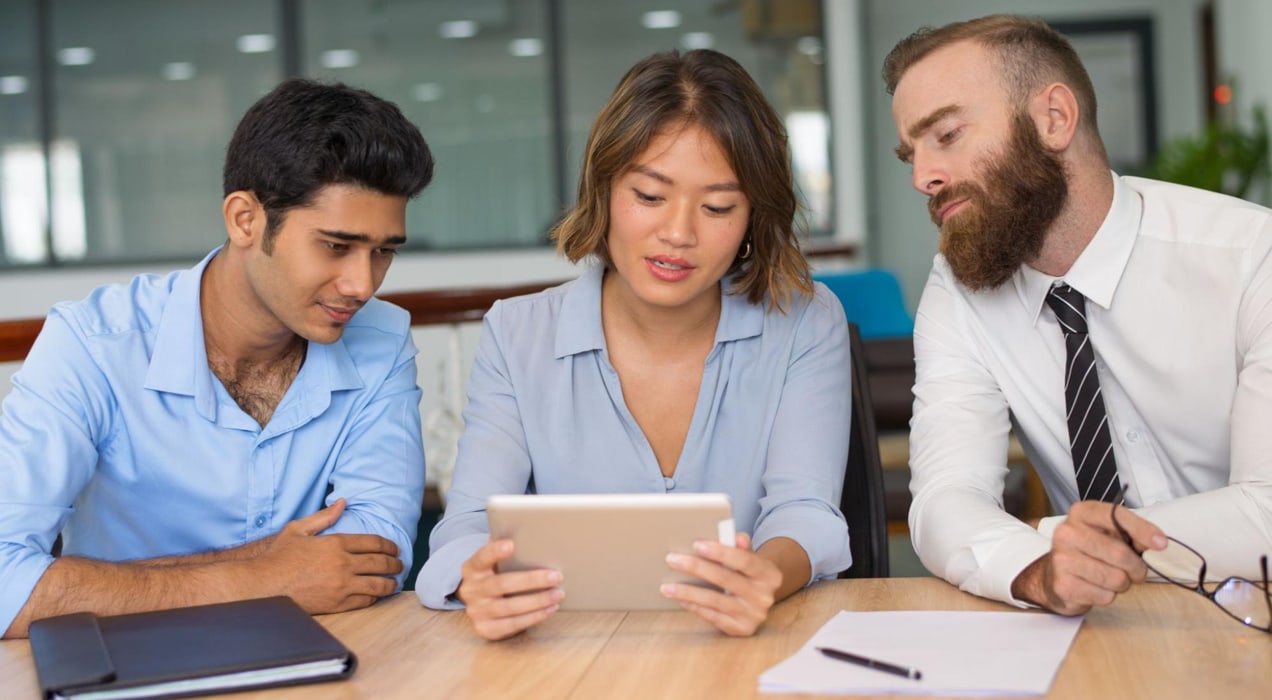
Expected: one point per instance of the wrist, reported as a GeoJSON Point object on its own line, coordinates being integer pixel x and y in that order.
{"type": "Point", "coordinates": [1026, 586]}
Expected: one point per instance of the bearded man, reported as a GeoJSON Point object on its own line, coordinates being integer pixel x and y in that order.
{"type": "Point", "coordinates": [1122, 326]}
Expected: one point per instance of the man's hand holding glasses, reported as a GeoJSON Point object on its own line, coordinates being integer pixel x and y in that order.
{"type": "Point", "coordinates": [1090, 561]}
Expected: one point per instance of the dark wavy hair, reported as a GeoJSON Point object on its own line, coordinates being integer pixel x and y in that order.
{"type": "Point", "coordinates": [305, 135]}
{"type": "Point", "coordinates": [707, 89]}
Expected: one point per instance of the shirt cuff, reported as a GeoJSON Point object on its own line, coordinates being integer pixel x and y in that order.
{"type": "Point", "coordinates": [441, 575]}
{"type": "Point", "coordinates": [1008, 558]}
{"type": "Point", "coordinates": [822, 534]}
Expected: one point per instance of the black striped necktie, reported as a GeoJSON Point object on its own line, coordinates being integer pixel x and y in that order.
{"type": "Point", "coordinates": [1089, 440]}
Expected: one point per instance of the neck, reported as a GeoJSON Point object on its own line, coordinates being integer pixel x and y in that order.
{"type": "Point", "coordinates": [659, 328]}
{"type": "Point", "coordinates": [237, 329]}
{"type": "Point", "coordinates": [1089, 201]}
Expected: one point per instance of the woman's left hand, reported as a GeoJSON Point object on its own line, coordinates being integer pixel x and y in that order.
{"type": "Point", "coordinates": [750, 584]}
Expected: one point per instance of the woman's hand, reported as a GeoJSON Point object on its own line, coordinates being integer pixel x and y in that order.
{"type": "Point", "coordinates": [750, 584]}
{"type": "Point", "coordinates": [501, 605]}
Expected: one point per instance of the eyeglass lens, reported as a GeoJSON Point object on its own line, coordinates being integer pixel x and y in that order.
{"type": "Point", "coordinates": [1245, 601]}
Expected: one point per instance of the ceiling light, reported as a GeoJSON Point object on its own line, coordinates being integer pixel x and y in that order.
{"type": "Point", "coordinates": [809, 45]}
{"type": "Point", "coordinates": [76, 56]}
{"type": "Point", "coordinates": [339, 58]}
{"type": "Point", "coordinates": [525, 47]}
{"type": "Point", "coordinates": [255, 43]}
{"type": "Point", "coordinates": [13, 84]}
{"type": "Point", "coordinates": [661, 19]}
{"type": "Point", "coordinates": [697, 40]}
{"type": "Point", "coordinates": [427, 92]}
{"type": "Point", "coordinates": [459, 29]}
{"type": "Point", "coordinates": [179, 70]}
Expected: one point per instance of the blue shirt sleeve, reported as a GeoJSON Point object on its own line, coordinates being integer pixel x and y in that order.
{"type": "Point", "coordinates": [493, 458]}
{"type": "Point", "coordinates": [808, 447]}
{"type": "Point", "coordinates": [50, 426]}
{"type": "Point", "coordinates": [380, 471]}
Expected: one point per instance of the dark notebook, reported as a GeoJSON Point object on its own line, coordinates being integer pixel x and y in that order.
{"type": "Point", "coordinates": [185, 651]}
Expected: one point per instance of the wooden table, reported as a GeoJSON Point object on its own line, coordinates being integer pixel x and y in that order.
{"type": "Point", "coordinates": [1157, 641]}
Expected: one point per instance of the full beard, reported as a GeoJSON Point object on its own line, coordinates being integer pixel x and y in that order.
{"type": "Point", "coordinates": [1005, 221]}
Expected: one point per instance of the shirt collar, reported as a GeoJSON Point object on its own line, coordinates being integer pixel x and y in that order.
{"type": "Point", "coordinates": [580, 329]}
{"type": "Point", "coordinates": [1099, 268]}
{"type": "Point", "coordinates": [179, 361]}
{"type": "Point", "coordinates": [179, 353]}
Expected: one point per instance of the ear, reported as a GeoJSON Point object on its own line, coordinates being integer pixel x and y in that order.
{"type": "Point", "coordinates": [244, 218]}
{"type": "Point", "coordinates": [1055, 112]}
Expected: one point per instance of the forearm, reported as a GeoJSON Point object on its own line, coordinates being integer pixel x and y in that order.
{"type": "Point", "coordinates": [240, 553]}
{"type": "Point", "coordinates": [791, 559]}
{"type": "Point", "coordinates": [72, 584]}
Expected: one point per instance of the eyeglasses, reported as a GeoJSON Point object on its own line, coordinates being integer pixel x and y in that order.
{"type": "Point", "coordinates": [1246, 601]}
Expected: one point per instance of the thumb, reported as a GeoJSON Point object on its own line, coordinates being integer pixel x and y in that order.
{"type": "Point", "coordinates": [323, 519]}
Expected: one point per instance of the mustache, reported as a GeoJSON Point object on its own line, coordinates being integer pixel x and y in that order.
{"type": "Point", "coordinates": [941, 199]}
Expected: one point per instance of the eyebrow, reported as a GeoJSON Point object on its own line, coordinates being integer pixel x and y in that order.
{"type": "Point", "coordinates": [362, 237]}
{"type": "Point", "coordinates": [717, 187]}
{"type": "Point", "coordinates": [905, 152]}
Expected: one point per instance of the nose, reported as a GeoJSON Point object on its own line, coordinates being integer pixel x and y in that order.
{"type": "Point", "coordinates": [928, 175]}
{"type": "Point", "coordinates": [677, 228]}
{"type": "Point", "coordinates": [357, 278]}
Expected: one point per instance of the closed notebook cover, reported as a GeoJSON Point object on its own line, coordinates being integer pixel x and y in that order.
{"type": "Point", "coordinates": [143, 649]}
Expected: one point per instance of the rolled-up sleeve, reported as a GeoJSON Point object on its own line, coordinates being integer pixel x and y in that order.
{"type": "Point", "coordinates": [808, 449]}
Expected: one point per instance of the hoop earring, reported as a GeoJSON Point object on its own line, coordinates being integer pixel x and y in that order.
{"type": "Point", "coordinates": [746, 250]}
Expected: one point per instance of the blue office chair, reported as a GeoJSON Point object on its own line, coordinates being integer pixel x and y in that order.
{"type": "Point", "coordinates": [872, 299]}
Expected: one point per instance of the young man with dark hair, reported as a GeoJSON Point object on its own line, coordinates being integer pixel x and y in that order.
{"type": "Point", "coordinates": [1122, 326]}
{"type": "Point", "coordinates": [248, 427]}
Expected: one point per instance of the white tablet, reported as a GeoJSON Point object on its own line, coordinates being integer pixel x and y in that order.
{"type": "Point", "coordinates": [611, 548]}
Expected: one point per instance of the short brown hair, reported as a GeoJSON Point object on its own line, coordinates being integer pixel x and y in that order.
{"type": "Point", "coordinates": [707, 89]}
{"type": "Point", "coordinates": [1030, 52]}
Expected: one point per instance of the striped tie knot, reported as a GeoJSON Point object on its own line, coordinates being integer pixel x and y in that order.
{"type": "Point", "coordinates": [1070, 308]}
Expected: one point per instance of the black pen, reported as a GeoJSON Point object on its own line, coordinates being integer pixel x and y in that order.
{"type": "Point", "coordinates": [884, 666]}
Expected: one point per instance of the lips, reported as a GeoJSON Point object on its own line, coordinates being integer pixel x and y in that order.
{"type": "Point", "coordinates": [949, 209]}
{"type": "Point", "coordinates": [339, 313]}
{"type": "Point", "coordinates": [668, 268]}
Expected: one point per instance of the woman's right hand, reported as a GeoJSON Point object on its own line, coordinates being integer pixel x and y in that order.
{"type": "Point", "coordinates": [501, 605]}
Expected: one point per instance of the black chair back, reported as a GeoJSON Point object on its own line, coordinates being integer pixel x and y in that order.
{"type": "Point", "coordinates": [862, 500]}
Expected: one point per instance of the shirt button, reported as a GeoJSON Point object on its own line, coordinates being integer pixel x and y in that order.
{"type": "Point", "coordinates": [260, 521]}
{"type": "Point", "coordinates": [1132, 436]}
{"type": "Point", "coordinates": [669, 482]}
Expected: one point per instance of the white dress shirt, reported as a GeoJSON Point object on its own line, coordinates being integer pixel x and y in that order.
{"type": "Point", "coordinates": [1178, 283]}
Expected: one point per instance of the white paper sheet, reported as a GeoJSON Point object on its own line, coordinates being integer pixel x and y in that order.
{"type": "Point", "coordinates": [959, 653]}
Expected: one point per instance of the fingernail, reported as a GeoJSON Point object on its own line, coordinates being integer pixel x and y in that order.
{"type": "Point", "coordinates": [668, 589]}
{"type": "Point", "coordinates": [554, 577]}
{"type": "Point", "coordinates": [558, 595]}
{"type": "Point", "coordinates": [702, 547]}
{"type": "Point", "coordinates": [1159, 541]}
{"type": "Point", "coordinates": [505, 547]}
{"type": "Point", "coordinates": [675, 559]}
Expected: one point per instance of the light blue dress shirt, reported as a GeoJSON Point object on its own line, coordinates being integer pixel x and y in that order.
{"type": "Point", "coordinates": [117, 435]}
{"type": "Point", "coordinates": [546, 414]}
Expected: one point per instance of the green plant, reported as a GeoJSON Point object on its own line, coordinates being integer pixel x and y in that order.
{"type": "Point", "coordinates": [1224, 158]}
